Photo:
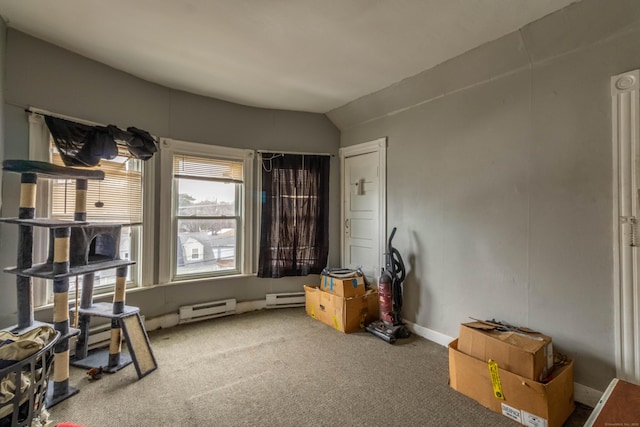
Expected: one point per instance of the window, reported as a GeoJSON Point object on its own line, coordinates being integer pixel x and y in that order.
{"type": "Point", "coordinates": [125, 206]}
{"type": "Point", "coordinates": [294, 234]}
{"type": "Point", "coordinates": [117, 199]}
{"type": "Point", "coordinates": [205, 206]}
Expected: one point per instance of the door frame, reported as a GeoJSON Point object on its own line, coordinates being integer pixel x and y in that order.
{"type": "Point", "coordinates": [378, 146]}
{"type": "Point", "coordinates": [625, 94]}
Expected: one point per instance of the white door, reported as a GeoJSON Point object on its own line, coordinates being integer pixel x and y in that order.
{"type": "Point", "coordinates": [363, 210]}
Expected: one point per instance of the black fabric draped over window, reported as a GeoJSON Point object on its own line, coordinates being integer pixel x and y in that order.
{"type": "Point", "coordinates": [84, 145]}
{"type": "Point", "coordinates": [294, 236]}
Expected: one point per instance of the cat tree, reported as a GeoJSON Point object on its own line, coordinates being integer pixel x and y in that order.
{"type": "Point", "coordinates": [76, 248]}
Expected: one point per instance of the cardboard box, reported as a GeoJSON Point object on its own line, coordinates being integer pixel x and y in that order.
{"type": "Point", "coordinates": [526, 401]}
{"type": "Point", "coordinates": [344, 314]}
{"type": "Point", "coordinates": [351, 287]}
{"type": "Point", "coordinates": [528, 354]}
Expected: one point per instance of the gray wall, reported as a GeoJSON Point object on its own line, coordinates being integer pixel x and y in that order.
{"type": "Point", "coordinates": [3, 36]}
{"type": "Point", "coordinates": [499, 179]}
{"type": "Point", "coordinates": [7, 294]}
{"type": "Point", "coordinates": [41, 75]}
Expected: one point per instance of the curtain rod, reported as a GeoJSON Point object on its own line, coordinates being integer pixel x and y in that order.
{"type": "Point", "coordinates": [294, 152]}
{"type": "Point", "coordinates": [34, 110]}
{"type": "Point", "coordinates": [41, 112]}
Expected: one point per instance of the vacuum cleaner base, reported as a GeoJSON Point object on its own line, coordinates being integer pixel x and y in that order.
{"type": "Point", "coordinates": [389, 333]}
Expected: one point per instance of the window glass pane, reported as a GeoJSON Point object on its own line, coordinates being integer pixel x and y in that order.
{"type": "Point", "coordinates": [206, 246]}
{"type": "Point", "coordinates": [206, 198]}
{"type": "Point", "coordinates": [207, 190]}
{"type": "Point", "coordinates": [125, 242]}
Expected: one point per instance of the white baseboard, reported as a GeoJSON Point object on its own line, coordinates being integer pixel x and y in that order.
{"type": "Point", "coordinates": [162, 322]}
{"type": "Point", "coordinates": [429, 334]}
{"type": "Point", "coordinates": [586, 395]}
{"type": "Point", "coordinates": [581, 393]}
{"type": "Point", "coordinates": [246, 306]}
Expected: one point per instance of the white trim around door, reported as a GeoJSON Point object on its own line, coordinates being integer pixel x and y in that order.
{"type": "Point", "coordinates": [378, 146]}
{"type": "Point", "coordinates": [625, 114]}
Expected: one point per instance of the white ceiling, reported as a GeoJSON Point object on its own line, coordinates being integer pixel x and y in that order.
{"type": "Point", "coordinates": [306, 55]}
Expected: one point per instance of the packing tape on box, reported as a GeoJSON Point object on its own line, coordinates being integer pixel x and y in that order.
{"type": "Point", "coordinates": [329, 280]}
{"type": "Point", "coordinates": [495, 379]}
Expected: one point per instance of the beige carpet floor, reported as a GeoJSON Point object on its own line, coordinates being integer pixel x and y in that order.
{"type": "Point", "coordinates": [279, 368]}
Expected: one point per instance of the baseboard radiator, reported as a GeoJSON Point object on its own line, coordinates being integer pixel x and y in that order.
{"type": "Point", "coordinates": [284, 300]}
{"type": "Point", "coordinates": [99, 337]}
{"type": "Point", "coordinates": [207, 310]}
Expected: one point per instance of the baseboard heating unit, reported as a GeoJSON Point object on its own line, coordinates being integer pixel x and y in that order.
{"type": "Point", "coordinates": [284, 300]}
{"type": "Point", "coordinates": [207, 310]}
{"type": "Point", "coordinates": [99, 337]}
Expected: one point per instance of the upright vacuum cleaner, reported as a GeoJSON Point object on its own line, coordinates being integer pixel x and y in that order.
{"type": "Point", "coordinates": [390, 326]}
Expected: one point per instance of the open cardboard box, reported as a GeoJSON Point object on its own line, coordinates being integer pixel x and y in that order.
{"type": "Point", "coordinates": [526, 401]}
{"type": "Point", "coordinates": [522, 351]}
{"type": "Point", "coordinates": [344, 314]}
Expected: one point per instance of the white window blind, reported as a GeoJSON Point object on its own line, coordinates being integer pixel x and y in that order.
{"type": "Point", "coordinates": [209, 169]}
{"type": "Point", "coordinates": [120, 193]}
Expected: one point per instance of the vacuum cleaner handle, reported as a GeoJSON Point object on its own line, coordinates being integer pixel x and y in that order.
{"type": "Point", "coordinates": [393, 233]}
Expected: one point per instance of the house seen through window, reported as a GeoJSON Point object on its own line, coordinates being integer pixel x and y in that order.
{"type": "Point", "coordinates": [207, 215]}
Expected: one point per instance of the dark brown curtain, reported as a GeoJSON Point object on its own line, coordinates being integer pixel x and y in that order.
{"type": "Point", "coordinates": [294, 235]}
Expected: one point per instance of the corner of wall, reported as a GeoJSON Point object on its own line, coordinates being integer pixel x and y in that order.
{"type": "Point", "coordinates": [589, 21]}
{"type": "Point", "coordinates": [579, 25]}
{"type": "Point", "coordinates": [500, 57]}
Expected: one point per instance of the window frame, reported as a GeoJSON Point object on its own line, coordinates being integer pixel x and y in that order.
{"type": "Point", "coordinates": [167, 268]}
{"type": "Point", "coordinates": [40, 149]}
